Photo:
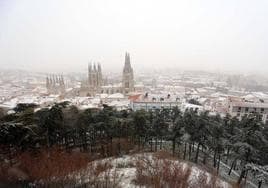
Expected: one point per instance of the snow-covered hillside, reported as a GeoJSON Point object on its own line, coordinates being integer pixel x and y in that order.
{"type": "Point", "coordinates": [145, 170]}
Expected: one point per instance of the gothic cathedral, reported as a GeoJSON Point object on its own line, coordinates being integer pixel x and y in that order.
{"type": "Point", "coordinates": [95, 84]}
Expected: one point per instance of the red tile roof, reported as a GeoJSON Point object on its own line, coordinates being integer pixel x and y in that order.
{"type": "Point", "coordinates": [134, 97]}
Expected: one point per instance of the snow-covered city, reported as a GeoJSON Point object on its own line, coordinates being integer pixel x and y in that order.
{"type": "Point", "coordinates": [133, 94]}
{"type": "Point", "coordinates": [218, 93]}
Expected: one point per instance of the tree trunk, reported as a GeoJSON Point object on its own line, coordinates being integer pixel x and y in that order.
{"type": "Point", "coordinates": [119, 148]}
{"type": "Point", "coordinates": [232, 166]}
{"type": "Point", "coordinates": [227, 155]}
{"type": "Point", "coordinates": [235, 165]}
{"type": "Point", "coordinates": [102, 151]}
{"type": "Point", "coordinates": [205, 158]}
{"type": "Point", "coordinates": [193, 147]}
{"type": "Point", "coordinates": [143, 142]}
{"type": "Point", "coordinates": [197, 153]}
{"type": "Point", "coordinates": [155, 144]}
{"type": "Point", "coordinates": [173, 146]}
{"type": "Point", "coordinates": [161, 142]}
{"type": "Point", "coordinates": [139, 143]}
{"type": "Point", "coordinates": [185, 150]}
{"type": "Point", "coordinates": [259, 184]}
{"type": "Point", "coordinates": [214, 159]}
{"type": "Point", "coordinates": [241, 176]}
{"type": "Point", "coordinates": [219, 162]}
{"type": "Point", "coordinates": [151, 144]}
{"type": "Point", "coordinates": [190, 151]}
{"type": "Point", "coordinates": [179, 150]}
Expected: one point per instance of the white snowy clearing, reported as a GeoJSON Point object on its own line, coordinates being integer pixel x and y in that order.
{"type": "Point", "coordinates": [123, 172]}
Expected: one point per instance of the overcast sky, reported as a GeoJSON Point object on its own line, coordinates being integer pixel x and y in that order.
{"type": "Point", "coordinates": [63, 35]}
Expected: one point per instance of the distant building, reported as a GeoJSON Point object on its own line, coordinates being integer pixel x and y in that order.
{"type": "Point", "coordinates": [241, 108]}
{"type": "Point", "coordinates": [128, 76]}
{"type": "Point", "coordinates": [138, 102]}
{"type": "Point", "coordinates": [194, 107]}
{"type": "Point", "coordinates": [152, 105]}
{"type": "Point", "coordinates": [96, 85]}
{"type": "Point", "coordinates": [55, 85]}
{"type": "Point", "coordinates": [154, 83]}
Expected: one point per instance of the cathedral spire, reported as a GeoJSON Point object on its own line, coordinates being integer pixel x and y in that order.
{"type": "Point", "coordinates": [54, 80]}
{"type": "Point", "coordinates": [128, 77]}
{"type": "Point", "coordinates": [47, 82]}
{"type": "Point", "coordinates": [50, 80]}
{"type": "Point", "coordinates": [127, 66]}
{"type": "Point", "coordinates": [61, 80]}
{"type": "Point", "coordinates": [89, 66]}
{"type": "Point", "coordinates": [127, 59]}
{"type": "Point", "coordinates": [95, 67]}
{"type": "Point", "coordinates": [99, 67]}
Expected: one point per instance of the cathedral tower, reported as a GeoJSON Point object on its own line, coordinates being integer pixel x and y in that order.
{"type": "Point", "coordinates": [55, 84]}
{"type": "Point", "coordinates": [94, 78]}
{"type": "Point", "coordinates": [128, 76]}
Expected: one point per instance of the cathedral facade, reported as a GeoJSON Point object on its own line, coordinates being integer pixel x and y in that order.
{"type": "Point", "coordinates": [95, 83]}
{"type": "Point", "coordinates": [55, 85]}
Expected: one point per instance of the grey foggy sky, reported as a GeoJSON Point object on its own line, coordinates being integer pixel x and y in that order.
{"type": "Point", "coordinates": [63, 35]}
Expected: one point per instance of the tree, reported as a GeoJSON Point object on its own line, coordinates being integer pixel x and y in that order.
{"type": "Point", "coordinates": [160, 126]}
{"type": "Point", "coordinates": [200, 136]}
{"type": "Point", "coordinates": [53, 124]}
{"type": "Point", "coordinates": [83, 124]}
{"type": "Point", "coordinates": [248, 139]}
{"type": "Point", "coordinates": [230, 126]}
{"type": "Point", "coordinates": [2, 113]}
{"type": "Point", "coordinates": [140, 124]}
{"type": "Point", "coordinates": [259, 172]}
{"type": "Point", "coordinates": [217, 137]}
{"type": "Point", "coordinates": [190, 122]}
{"type": "Point", "coordinates": [194, 101]}
{"type": "Point", "coordinates": [24, 106]}
{"type": "Point", "coordinates": [176, 132]}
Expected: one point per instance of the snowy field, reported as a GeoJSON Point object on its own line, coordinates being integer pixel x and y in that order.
{"type": "Point", "coordinates": [122, 171]}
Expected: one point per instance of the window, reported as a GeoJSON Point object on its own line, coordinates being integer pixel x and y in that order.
{"type": "Point", "coordinates": [246, 110]}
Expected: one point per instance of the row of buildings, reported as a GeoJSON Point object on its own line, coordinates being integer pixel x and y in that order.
{"type": "Point", "coordinates": [235, 106]}
{"type": "Point", "coordinates": [240, 107]}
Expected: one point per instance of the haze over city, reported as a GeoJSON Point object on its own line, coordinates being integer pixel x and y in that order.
{"type": "Point", "coordinates": [63, 36]}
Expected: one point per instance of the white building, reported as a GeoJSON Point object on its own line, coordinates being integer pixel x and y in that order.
{"type": "Point", "coordinates": [188, 106]}
{"type": "Point", "coordinates": [152, 105]}
{"type": "Point", "coordinates": [239, 109]}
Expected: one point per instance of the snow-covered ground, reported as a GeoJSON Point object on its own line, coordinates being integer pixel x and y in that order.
{"type": "Point", "coordinates": [124, 169]}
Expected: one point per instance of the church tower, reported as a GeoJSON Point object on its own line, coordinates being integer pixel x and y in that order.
{"type": "Point", "coordinates": [99, 76]}
{"type": "Point", "coordinates": [128, 76]}
{"type": "Point", "coordinates": [55, 84]}
{"type": "Point", "coordinates": [94, 78]}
